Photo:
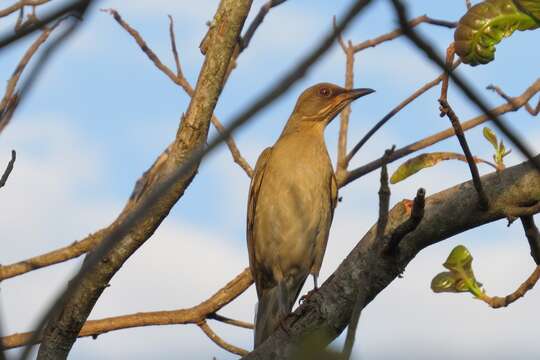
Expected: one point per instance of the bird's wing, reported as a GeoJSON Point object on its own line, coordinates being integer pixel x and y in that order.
{"type": "Point", "coordinates": [256, 182]}
{"type": "Point", "coordinates": [322, 236]}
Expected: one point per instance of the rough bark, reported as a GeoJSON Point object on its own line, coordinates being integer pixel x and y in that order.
{"type": "Point", "coordinates": [62, 330]}
{"type": "Point", "coordinates": [366, 271]}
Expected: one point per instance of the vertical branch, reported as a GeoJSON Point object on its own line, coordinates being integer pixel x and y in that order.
{"type": "Point", "coordinates": [533, 236]}
{"type": "Point", "coordinates": [345, 115]}
{"type": "Point", "coordinates": [450, 53]}
{"type": "Point", "coordinates": [447, 110]}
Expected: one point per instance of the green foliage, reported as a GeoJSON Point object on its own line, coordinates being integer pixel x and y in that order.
{"type": "Point", "coordinates": [500, 149]}
{"type": "Point", "coordinates": [461, 277]}
{"type": "Point", "coordinates": [488, 22]}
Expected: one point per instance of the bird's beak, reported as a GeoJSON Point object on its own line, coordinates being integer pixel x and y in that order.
{"type": "Point", "coordinates": [354, 94]}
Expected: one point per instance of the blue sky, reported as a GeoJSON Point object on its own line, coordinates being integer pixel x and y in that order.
{"type": "Point", "coordinates": [101, 113]}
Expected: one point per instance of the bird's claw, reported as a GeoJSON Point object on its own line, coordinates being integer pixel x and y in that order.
{"type": "Point", "coordinates": [310, 293]}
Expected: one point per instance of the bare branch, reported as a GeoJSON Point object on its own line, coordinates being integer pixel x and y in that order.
{"type": "Point", "coordinates": [11, 98]}
{"type": "Point", "coordinates": [219, 341]}
{"type": "Point", "coordinates": [398, 32]}
{"type": "Point", "coordinates": [417, 213]}
{"type": "Point", "coordinates": [19, 5]}
{"type": "Point", "coordinates": [7, 172]}
{"type": "Point", "coordinates": [511, 100]}
{"type": "Point", "coordinates": [384, 196]}
{"type": "Point", "coordinates": [447, 110]}
{"type": "Point", "coordinates": [257, 21]}
{"type": "Point", "coordinates": [233, 322]}
{"type": "Point", "coordinates": [533, 236]}
{"type": "Point", "coordinates": [345, 115]}
{"type": "Point", "coordinates": [498, 302]}
{"type": "Point", "coordinates": [179, 73]}
{"type": "Point", "coordinates": [468, 4]}
{"type": "Point", "coordinates": [193, 315]}
{"type": "Point", "coordinates": [435, 138]}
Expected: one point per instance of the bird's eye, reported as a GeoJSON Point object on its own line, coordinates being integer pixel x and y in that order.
{"type": "Point", "coordinates": [324, 91]}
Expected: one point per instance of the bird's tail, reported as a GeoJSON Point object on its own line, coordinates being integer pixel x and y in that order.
{"type": "Point", "coordinates": [274, 305]}
{"type": "Point", "coordinates": [267, 317]}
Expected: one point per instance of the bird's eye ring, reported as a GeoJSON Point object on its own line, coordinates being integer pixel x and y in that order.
{"type": "Point", "coordinates": [324, 91]}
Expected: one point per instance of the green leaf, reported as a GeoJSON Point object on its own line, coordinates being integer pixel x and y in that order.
{"type": "Point", "coordinates": [487, 23]}
{"type": "Point", "coordinates": [490, 136]}
{"type": "Point", "coordinates": [461, 277]}
{"type": "Point", "coordinates": [422, 161]}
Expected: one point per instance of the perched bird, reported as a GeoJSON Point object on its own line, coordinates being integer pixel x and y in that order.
{"type": "Point", "coordinates": [291, 204]}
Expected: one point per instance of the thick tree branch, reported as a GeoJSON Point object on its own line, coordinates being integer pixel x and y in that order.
{"type": "Point", "coordinates": [83, 292]}
{"type": "Point", "coordinates": [363, 274]}
{"type": "Point", "coordinates": [518, 102]}
{"type": "Point", "coordinates": [193, 315]}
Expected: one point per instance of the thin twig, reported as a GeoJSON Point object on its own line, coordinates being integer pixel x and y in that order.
{"type": "Point", "coordinates": [533, 236]}
{"type": "Point", "coordinates": [398, 32]}
{"type": "Point", "coordinates": [498, 302]}
{"type": "Point", "coordinates": [450, 54]}
{"type": "Point", "coordinates": [11, 98]}
{"type": "Point", "coordinates": [394, 111]}
{"type": "Point", "coordinates": [230, 321]}
{"type": "Point", "coordinates": [219, 341]}
{"type": "Point", "coordinates": [447, 110]}
{"type": "Point", "coordinates": [257, 21]}
{"type": "Point", "coordinates": [193, 315]}
{"type": "Point", "coordinates": [345, 115]}
{"type": "Point", "coordinates": [417, 213]}
{"type": "Point", "coordinates": [502, 94]}
{"type": "Point", "coordinates": [9, 169]}
{"type": "Point", "coordinates": [445, 134]}
{"type": "Point", "coordinates": [180, 80]}
{"type": "Point", "coordinates": [20, 5]}
{"type": "Point", "coordinates": [78, 7]}
{"type": "Point", "coordinates": [468, 4]}
{"type": "Point", "coordinates": [384, 196]}
{"type": "Point", "coordinates": [423, 45]}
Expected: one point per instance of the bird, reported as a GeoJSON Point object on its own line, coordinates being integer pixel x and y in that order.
{"type": "Point", "coordinates": [291, 202]}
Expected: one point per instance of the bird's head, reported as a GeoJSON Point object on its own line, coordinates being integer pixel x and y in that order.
{"type": "Point", "coordinates": [322, 102]}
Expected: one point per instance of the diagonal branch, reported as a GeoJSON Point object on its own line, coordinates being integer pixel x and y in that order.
{"type": "Point", "coordinates": [502, 94]}
{"type": "Point", "coordinates": [11, 98]}
{"type": "Point", "coordinates": [219, 341]}
{"type": "Point", "coordinates": [193, 315]}
{"type": "Point", "coordinates": [499, 302]}
{"type": "Point", "coordinates": [257, 21]}
{"type": "Point", "coordinates": [445, 134]}
{"type": "Point", "coordinates": [447, 110]}
{"type": "Point", "coordinates": [7, 171]}
{"type": "Point", "coordinates": [399, 32]}
{"type": "Point", "coordinates": [533, 236]}
{"type": "Point", "coordinates": [19, 5]}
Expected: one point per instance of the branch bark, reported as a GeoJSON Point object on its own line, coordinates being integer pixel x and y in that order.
{"type": "Point", "coordinates": [365, 272]}
{"type": "Point", "coordinates": [62, 330]}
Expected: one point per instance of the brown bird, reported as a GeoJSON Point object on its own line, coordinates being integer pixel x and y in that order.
{"type": "Point", "coordinates": [291, 204]}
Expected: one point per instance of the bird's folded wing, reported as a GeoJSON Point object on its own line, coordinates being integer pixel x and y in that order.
{"type": "Point", "coordinates": [256, 182]}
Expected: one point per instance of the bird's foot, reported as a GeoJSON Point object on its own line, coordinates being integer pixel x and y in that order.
{"type": "Point", "coordinates": [310, 293]}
